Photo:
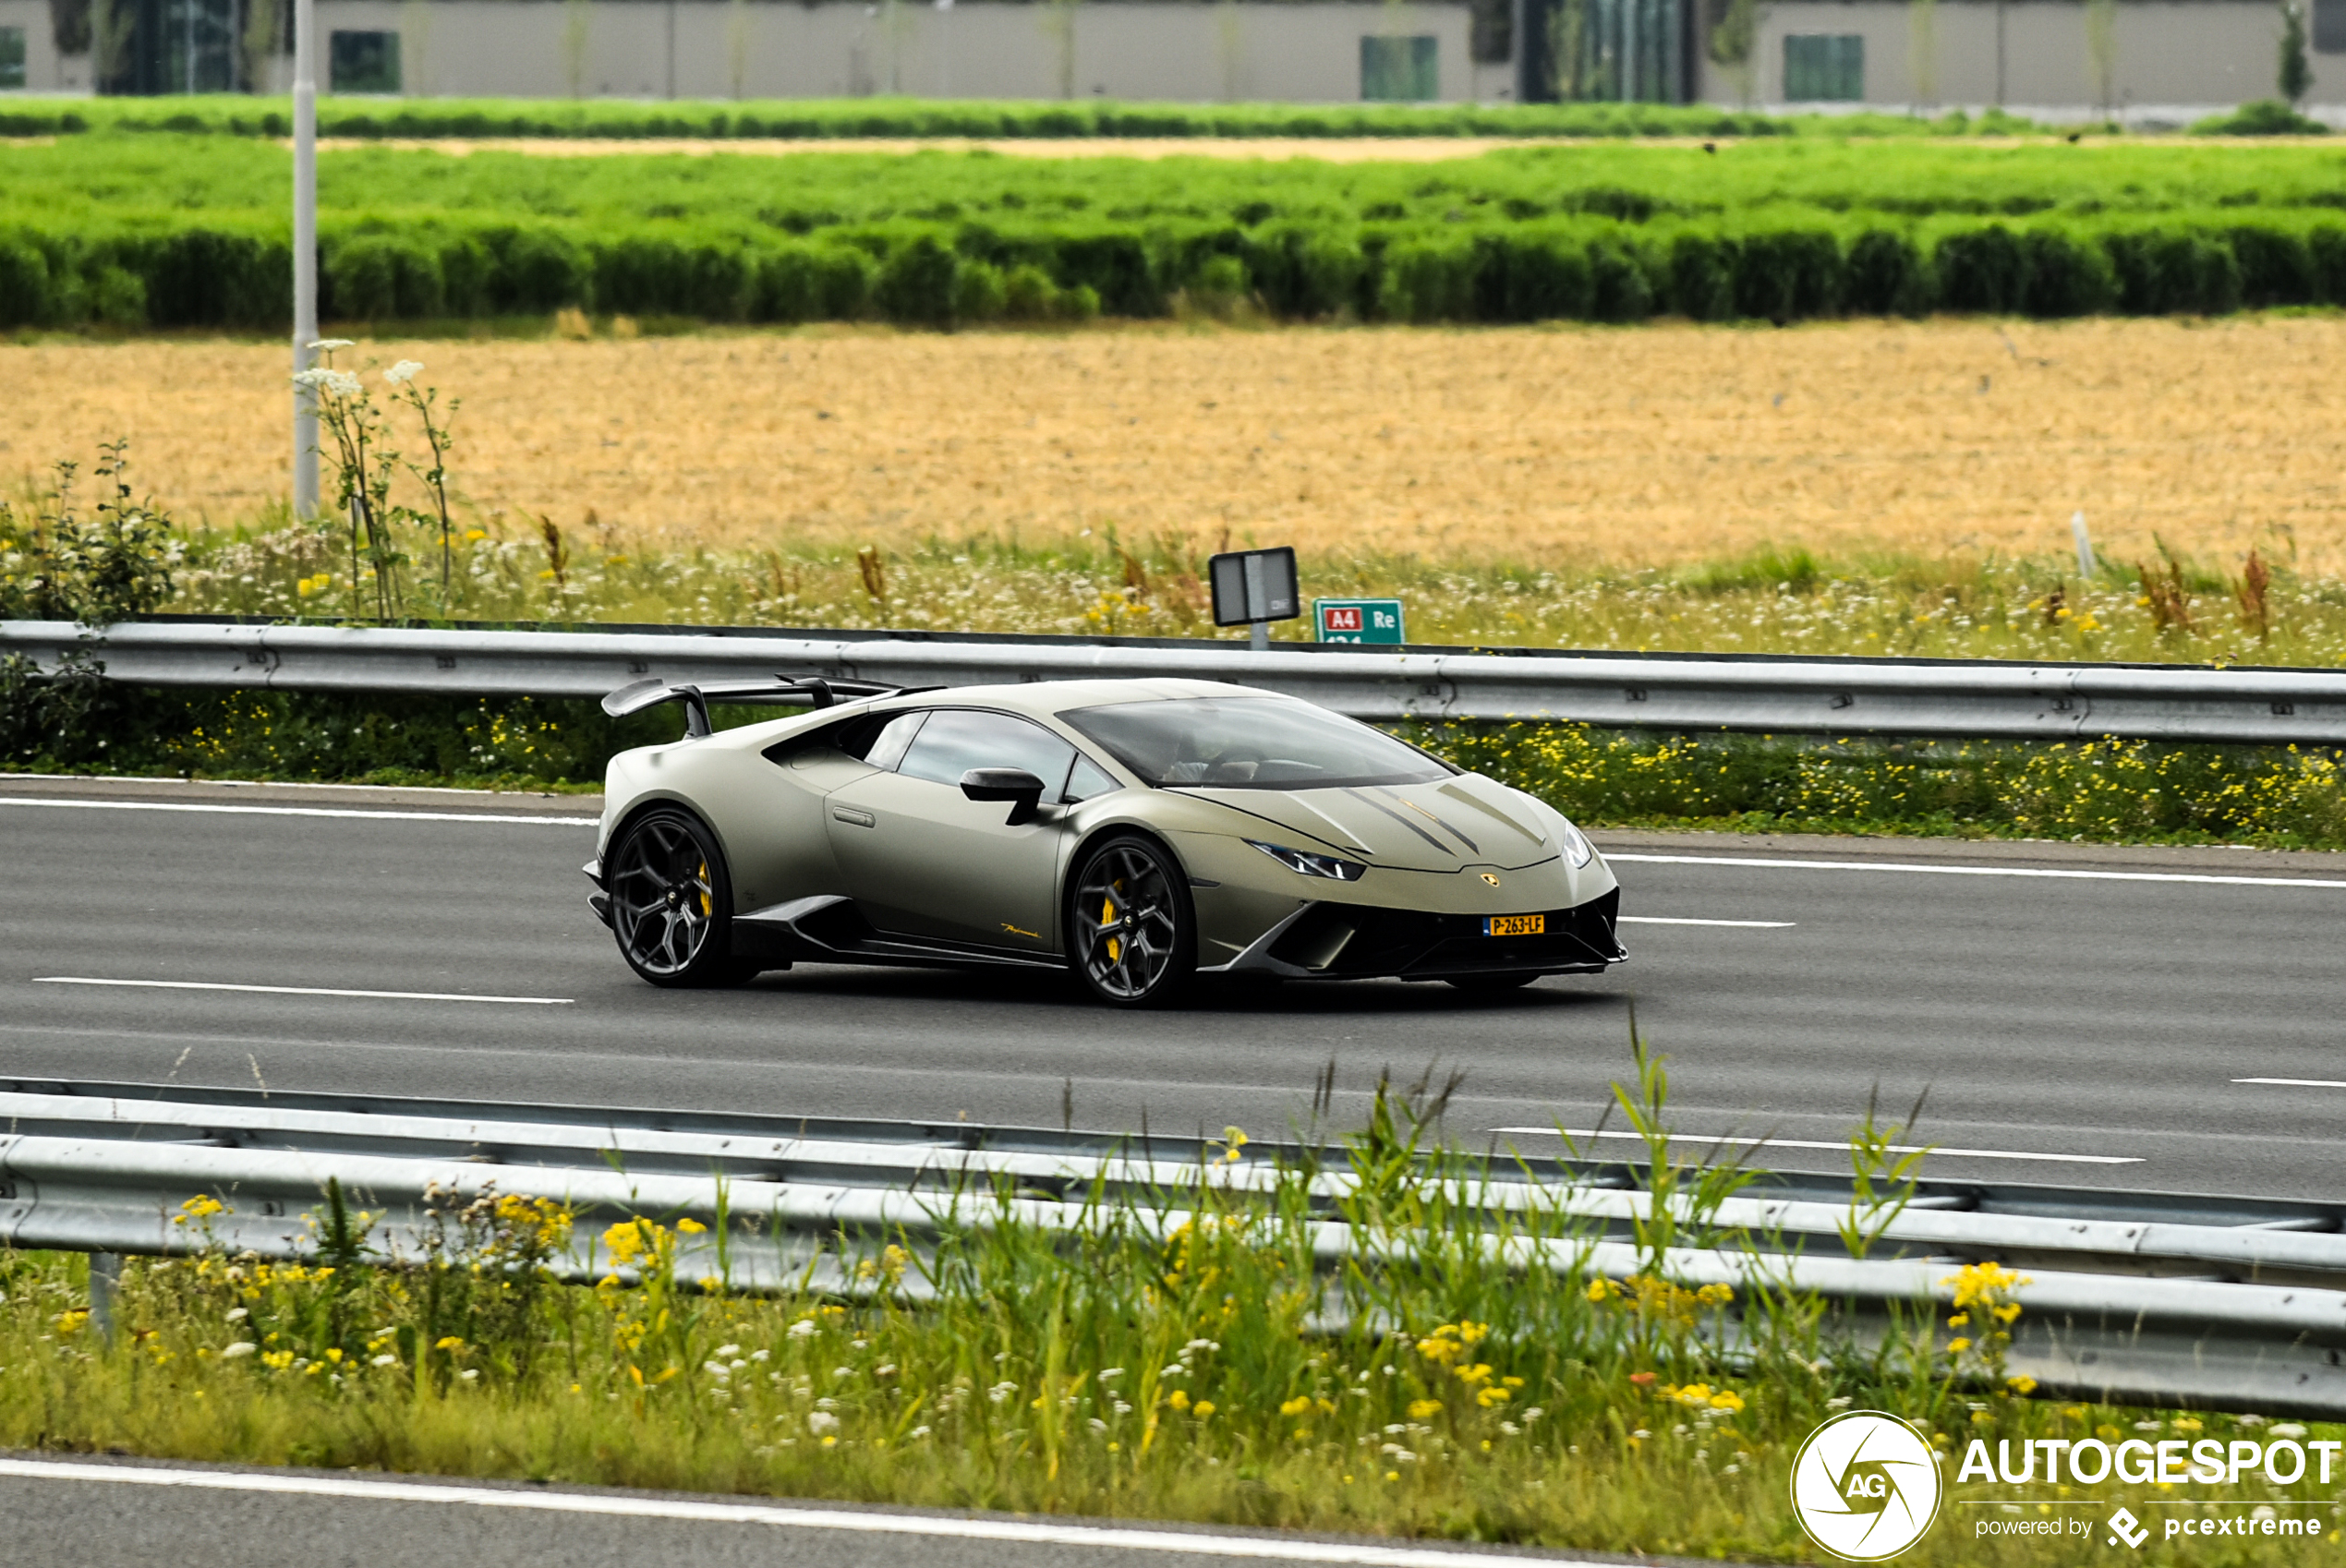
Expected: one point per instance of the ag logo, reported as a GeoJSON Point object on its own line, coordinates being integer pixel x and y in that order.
{"type": "Point", "coordinates": [1865, 1486]}
{"type": "Point", "coordinates": [1493, 880]}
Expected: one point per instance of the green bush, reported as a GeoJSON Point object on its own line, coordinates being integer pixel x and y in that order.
{"type": "Point", "coordinates": [1887, 274]}
{"type": "Point", "coordinates": [2267, 116]}
{"type": "Point", "coordinates": [24, 284]}
{"type": "Point", "coordinates": [916, 284]}
{"type": "Point", "coordinates": [382, 278]}
{"type": "Point", "coordinates": [978, 293]}
{"type": "Point", "coordinates": [1612, 235]}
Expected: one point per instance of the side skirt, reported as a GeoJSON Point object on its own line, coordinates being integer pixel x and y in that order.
{"type": "Point", "coordinates": [829, 929]}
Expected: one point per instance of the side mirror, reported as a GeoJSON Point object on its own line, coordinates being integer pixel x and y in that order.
{"type": "Point", "coordinates": [1021, 788]}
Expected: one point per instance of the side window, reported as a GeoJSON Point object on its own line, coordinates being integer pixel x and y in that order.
{"type": "Point", "coordinates": [889, 746]}
{"type": "Point", "coordinates": [956, 740]}
{"type": "Point", "coordinates": [1088, 780]}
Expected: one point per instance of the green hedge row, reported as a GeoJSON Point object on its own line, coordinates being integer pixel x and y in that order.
{"type": "Point", "coordinates": [935, 275]}
{"type": "Point", "coordinates": [433, 118]}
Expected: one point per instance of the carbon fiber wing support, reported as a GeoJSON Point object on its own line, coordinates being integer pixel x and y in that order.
{"type": "Point", "coordinates": [782, 691]}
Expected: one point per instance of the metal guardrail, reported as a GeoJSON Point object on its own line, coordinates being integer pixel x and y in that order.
{"type": "Point", "coordinates": [2222, 1303]}
{"type": "Point", "coordinates": [1841, 696]}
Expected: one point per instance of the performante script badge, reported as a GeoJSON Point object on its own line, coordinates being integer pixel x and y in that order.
{"type": "Point", "coordinates": [1865, 1486]}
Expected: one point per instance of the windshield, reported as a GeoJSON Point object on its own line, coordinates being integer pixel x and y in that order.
{"type": "Point", "coordinates": [1251, 744]}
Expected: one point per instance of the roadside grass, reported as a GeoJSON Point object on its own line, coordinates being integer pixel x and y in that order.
{"type": "Point", "coordinates": [1770, 600]}
{"type": "Point", "coordinates": [1124, 1370]}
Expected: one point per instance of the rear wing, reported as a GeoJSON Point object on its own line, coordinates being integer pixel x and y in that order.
{"type": "Point", "coordinates": [782, 691]}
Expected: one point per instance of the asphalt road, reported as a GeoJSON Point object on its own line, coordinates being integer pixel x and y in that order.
{"type": "Point", "coordinates": [2077, 1030]}
{"type": "Point", "coordinates": [137, 1515]}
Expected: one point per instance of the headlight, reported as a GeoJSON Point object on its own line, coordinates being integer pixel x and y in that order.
{"type": "Point", "coordinates": [1306, 864]}
{"type": "Point", "coordinates": [1576, 848]}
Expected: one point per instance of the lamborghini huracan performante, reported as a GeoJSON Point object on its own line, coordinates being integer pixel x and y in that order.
{"type": "Point", "coordinates": [1139, 834]}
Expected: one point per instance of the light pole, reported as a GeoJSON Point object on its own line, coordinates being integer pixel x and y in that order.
{"type": "Point", "coordinates": [305, 249]}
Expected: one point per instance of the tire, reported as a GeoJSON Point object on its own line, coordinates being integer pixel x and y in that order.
{"type": "Point", "coordinates": [1131, 931]}
{"type": "Point", "coordinates": [1488, 983]}
{"type": "Point", "coordinates": [671, 903]}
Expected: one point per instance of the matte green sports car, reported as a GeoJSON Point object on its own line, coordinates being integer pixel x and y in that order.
{"type": "Point", "coordinates": [1139, 833]}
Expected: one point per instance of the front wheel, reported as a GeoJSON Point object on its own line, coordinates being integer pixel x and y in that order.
{"type": "Point", "coordinates": [1131, 932]}
{"type": "Point", "coordinates": [671, 903]}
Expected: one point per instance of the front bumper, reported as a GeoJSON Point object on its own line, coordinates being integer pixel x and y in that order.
{"type": "Point", "coordinates": [1353, 942]}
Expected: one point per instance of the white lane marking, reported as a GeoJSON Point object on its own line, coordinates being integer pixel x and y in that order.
{"type": "Point", "coordinates": [2297, 1083]}
{"type": "Point", "coordinates": [1841, 1147]}
{"type": "Point", "coordinates": [302, 990]}
{"type": "Point", "coordinates": [1665, 920]}
{"type": "Point", "coordinates": [1020, 1531]}
{"type": "Point", "coordinates": [305, 811]}
{"type": "Point", "coordinates": [1985, 870]}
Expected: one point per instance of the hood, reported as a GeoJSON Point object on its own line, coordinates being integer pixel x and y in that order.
{"type": "Point", "coordinates": [1449, 825]}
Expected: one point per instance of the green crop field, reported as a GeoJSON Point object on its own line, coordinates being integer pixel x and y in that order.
{"type": "Point", "coordinates": [189, 229]}
{"type": "Point", "coordinates": [235, 114]}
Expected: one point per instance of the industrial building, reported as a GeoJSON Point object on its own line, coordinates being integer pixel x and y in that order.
{"type": "Point", "coordinates": [2147, 61]}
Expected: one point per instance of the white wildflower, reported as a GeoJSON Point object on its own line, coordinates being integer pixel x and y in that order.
{"type": "Point", "coordinates": [819, 1421]}
{"type": "Point", "coordinates": [802, 1329]}
{"type": "Point", "coordinates": [242, 1347]}
{"type": "Point", "coordinates": [237, 1314]}
{"type": "Point", "coordinates": [386, 1360]}
{"type": "Point", "coordinates": [327, 346]}
{"type": "Point", "coordinates": [723, 1351]}
{"type": "Point", "coordinates": [403, 372]}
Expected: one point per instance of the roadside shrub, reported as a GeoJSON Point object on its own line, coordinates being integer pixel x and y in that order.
{"type": "Point", "coordinates": [2276, 266]}
{"type": "Point", "coordinates": [1619, 288]}
{"type": "Point", "coordinates": [1887, 274]}
{"type": "Point", "coordinates": [979, 293]}
{"type": "Point", "coordinates": [1547, 279]}
{"type": "Point", "coordinates": [2064, 276]}
{"type": "Point", "coordinates": [2163, 272]}
{"type": "Point", "coordinates": [24, 284]}
{"type": "Point", "coordinates": [1701, 272]}
{"type": "Point", "coordinates": [1983, 270]}
{"type": "Point", "coordinates": [537, 270]}
{"type": "Point", "coordinates": [382, 278]}
{"type": "Point", "coordinates": [916, 283]}
{"type": "Point", "coordinates": [1425, 281]}
{"type": "Point", "coordinates": [1788, 275]}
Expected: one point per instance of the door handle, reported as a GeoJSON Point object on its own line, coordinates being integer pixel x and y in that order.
{"type": "Point", "coordinates": [852, 817]}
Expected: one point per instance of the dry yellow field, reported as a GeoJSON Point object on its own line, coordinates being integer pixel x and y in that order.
{"type": "Point", "coordinates": [1581, 447]}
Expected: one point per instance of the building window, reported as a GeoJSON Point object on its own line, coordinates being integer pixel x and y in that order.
{"type": "Point", "coordinates": [1824, 67]}
{"type": "Point", "coordinates": [364, 62]}
{"type": "Point", "coordinates": [2330, 27]}
{"type": "Point", "coordinates": [1399, 69]}
{"type": "Point", "coordinates": [11, 56]}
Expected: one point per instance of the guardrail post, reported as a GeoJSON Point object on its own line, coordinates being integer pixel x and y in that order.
{"type": "Point", "coordinates": [105, 1282]}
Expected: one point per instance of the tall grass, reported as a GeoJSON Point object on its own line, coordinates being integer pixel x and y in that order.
{"type": "Point", "coordinates": [1773, 601]}
{"type": "Point", "coordinates": [1115, 1367]}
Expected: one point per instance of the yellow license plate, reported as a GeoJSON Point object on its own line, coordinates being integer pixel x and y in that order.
{"type": "Point", "coordinates": [1516, 925]}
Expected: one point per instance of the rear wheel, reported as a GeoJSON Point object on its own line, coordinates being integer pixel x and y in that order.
{"type": "Point", "coordinates": [671, 903]}
{"type": "Point", "coordinates": [1131, 934]}
{"type": "Point", "coordinates": [1486, 983]}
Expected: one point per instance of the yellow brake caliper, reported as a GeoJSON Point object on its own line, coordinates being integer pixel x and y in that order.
{"type": "Point", "coordinates": [1108, 917]}
{"type": "Point", "coordinates": [707, 909]}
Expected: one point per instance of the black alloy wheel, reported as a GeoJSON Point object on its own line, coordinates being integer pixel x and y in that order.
{"type": "Point", "coordinates": [1132, 933]}
{"type": "Point", "coordinates": [1489, 983]}
{"type": "Point", "coordinates": [671, 903]}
